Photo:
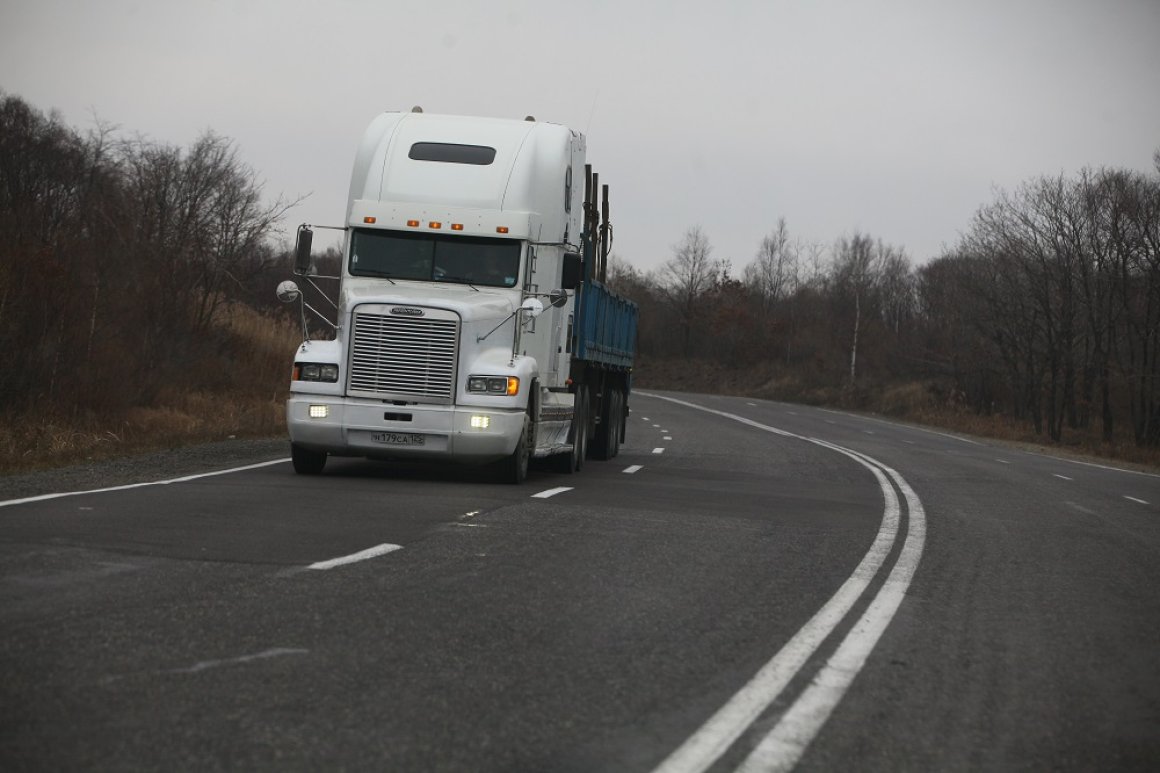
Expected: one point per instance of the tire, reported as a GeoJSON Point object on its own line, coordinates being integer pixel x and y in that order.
{"type": "Point", "coordinates": [514, 469]}
{"type": "Point", "coordinates": [606, 443]}
{"type": "Point", "coordinates": [570, 463]}
{"type": "Point", "coordinates": [307, 462]}
{"type": "Point", "coordinates": [617, 425]}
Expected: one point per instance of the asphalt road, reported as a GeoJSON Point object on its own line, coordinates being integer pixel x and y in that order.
{"type": "Point", "coordinates": [749, 585]}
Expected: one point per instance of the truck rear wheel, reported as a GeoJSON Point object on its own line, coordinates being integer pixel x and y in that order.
{"type": "Point", "coordinates": [307, 462]}
{"type": "Point", "coordinates": [606, 444]}
{"type": "Point", "coordinates": [616, 426]}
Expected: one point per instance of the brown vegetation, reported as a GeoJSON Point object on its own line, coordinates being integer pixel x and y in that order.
{"type": "Point", "coordinates": [133, 279]}
{"type": "Point", "coordinates": [136, 308]}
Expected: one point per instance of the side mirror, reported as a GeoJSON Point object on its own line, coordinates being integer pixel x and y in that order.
{"type": "Point", "coordinates": [287, 292]}
{"type": "Point", "coordinates": [573, 271]}
{"type": "Point", "coordinates": [533, 306]}
{"type": "Point", "coordinates": [558, 298]}
{"type": "Point", "coordinates": [302, 250]}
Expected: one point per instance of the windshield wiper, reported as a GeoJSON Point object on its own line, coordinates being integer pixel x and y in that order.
{"type": "Point", "coordinates": [459, 279]}
{"type": "Point", "coordinates": [376, 274]}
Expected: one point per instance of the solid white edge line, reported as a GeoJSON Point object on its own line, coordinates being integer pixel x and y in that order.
{"type": "Point", "coordinates": [1093, 464]}
{"type": "Point", "coordinates": [551, 492]}
{"type": "Point", "coordinates": [362, 555]}
{"type": "Point", "coordinates": [714, 738]}
{"type": "Point", "coordinates": [898, 425]}
{"type": "Point", "coordinates": [633, 468]}
{"type": "Point", "coordinates": [783, 746]}
{"type": "Point", "coordinates": [128, 486]}
{"type": "Point", "coordinates": [711, 740]}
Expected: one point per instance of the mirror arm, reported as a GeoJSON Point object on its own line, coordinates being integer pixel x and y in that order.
{"type": "Point", "coordinates": [479, 339]}
{"type": "Point", "coordinates": [319, 314]}
{"type": "Point", "coordinates": [321, 292]}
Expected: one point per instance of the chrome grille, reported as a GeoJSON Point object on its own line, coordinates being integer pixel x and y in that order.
{"type": "Point", "coordinates": [403, 357]}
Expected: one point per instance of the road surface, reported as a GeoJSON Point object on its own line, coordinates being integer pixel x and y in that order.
{"type": "Point", "coordinates": [748, 586]}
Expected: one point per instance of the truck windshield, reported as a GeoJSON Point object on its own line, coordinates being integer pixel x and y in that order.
{"type": "Point", "coordinates": [429, 257]}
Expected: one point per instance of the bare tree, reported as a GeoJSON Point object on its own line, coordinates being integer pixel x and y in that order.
{"type": "Point", "coordinates": [855, 274]}
{"type": "Point", "coordinates": [687, 277]}
{"type": "Point", "coordinates": [773, 274]}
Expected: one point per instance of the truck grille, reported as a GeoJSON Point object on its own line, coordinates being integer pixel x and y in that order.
{"type": "Point", "coordinates": [404, 357]}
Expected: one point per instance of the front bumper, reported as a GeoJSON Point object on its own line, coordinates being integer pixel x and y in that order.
{"type": "Point", "coordinates": [355, 427]}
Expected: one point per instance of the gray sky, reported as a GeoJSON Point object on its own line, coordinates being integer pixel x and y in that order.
{"type": "Point", "coordinates": [896, 118]}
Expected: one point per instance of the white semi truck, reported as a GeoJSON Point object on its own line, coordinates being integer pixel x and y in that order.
{"type": "Point", "coordinates": [472, 324]}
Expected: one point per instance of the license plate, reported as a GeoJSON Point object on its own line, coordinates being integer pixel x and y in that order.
{"type": "Point", "coordinates": [399, 438]}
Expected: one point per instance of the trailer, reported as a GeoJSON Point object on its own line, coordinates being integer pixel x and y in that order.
{"type": "Point", "coordinates": [472, 322]}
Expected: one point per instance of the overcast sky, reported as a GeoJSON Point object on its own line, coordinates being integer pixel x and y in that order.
{"type": "Point", "coordinates": [896, 118]}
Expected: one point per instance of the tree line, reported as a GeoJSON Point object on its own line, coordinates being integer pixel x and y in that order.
{"type": "Point", "coordinates": [118, 256]}
{"type": "Point", "coordinates": [121, 254]}
{"type": "Point", "coordinates": [1047, 310]}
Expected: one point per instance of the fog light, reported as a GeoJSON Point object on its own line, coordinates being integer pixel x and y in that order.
{"type": "Point", "coordinates": [319, 411]}
{"type": "Point", "coordinates": [480, 422]}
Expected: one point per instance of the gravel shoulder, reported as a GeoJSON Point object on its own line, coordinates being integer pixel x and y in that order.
{"type": "Point", "coordinates": [141, 468]}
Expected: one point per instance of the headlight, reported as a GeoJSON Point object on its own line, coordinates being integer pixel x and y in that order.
{"type": "Point", "coordinates": [494, 385]}
{"type": "Point", "coordinates": [313, 371]}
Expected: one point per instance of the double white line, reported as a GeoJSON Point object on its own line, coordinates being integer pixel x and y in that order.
{"type": "Point", "coordinates": [783, 746]}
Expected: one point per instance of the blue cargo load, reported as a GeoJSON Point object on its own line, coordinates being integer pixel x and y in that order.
{"type": "Point", "coordinates": [605, 327]}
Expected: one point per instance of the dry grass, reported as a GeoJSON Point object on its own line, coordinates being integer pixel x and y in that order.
{"type": "Point", "coordinates": [913, 402]}
{"type": "Point", "coordinates": [257, 352]}
{"type": "Point", "coordinates": [254, 353]}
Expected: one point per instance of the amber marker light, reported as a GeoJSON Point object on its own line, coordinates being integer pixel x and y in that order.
{"type": "Point", "coordinates": [501, 229]}
{"type": "Point", "coordinates": [412, 223]}
{"type": "Point", "coordinates": [370, 220]}
{"type": "Point", "coordinates": [435, 224]}
{"type": "Point", "coordinates": [513, 385]}
{"type": "Point", "coordinates": [457, 226]}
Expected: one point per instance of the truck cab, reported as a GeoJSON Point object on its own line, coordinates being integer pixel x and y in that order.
{"type": "Point", "coordinates": [463, 255]}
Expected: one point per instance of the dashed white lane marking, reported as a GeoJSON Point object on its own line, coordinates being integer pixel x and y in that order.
{"type": "Point", "coordinates": [753, 404]}
{"type": "Point", "coordinates": [867, 432]}
{"type": "Point", "coordinates": [657, 426]}
{"type": "Point", "coordinates": [1138, 501]}
{"type": "Point", "coordinates": [792, 413]}
{"type": "Point", "coordinates": [644, 418]}
{"type": "Point", "coordinates": [208, 664]}
{"type": "Point", "coordinates": [667, 437]}
{"type": "Point", "coordinates": [633, 468]}
{"type": "Point", "coordinates": [362, 555]}
{"type": "Point", "coordinates": [1002, 461]}
{"type": "Point", "coordinates": [1062, 477]}
{"type": "Point", "coordinates": [128, 486]}
{"type": "Point", "coordinates": [830, 421]}
{"type": "Point", "coordinates": [658, 450]}
{"type": "Point", "coordinates": [551, 492]}
{"type": "Point", "coordinates": [909, 442]}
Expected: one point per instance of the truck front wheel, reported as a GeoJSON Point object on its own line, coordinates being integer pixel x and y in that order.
{"type": "Point", "coordinates": [569, 463]}
{"type": "Point", "coordinates": [307, 462]}
{"type": "Point", "coordinates": [514, 469]}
